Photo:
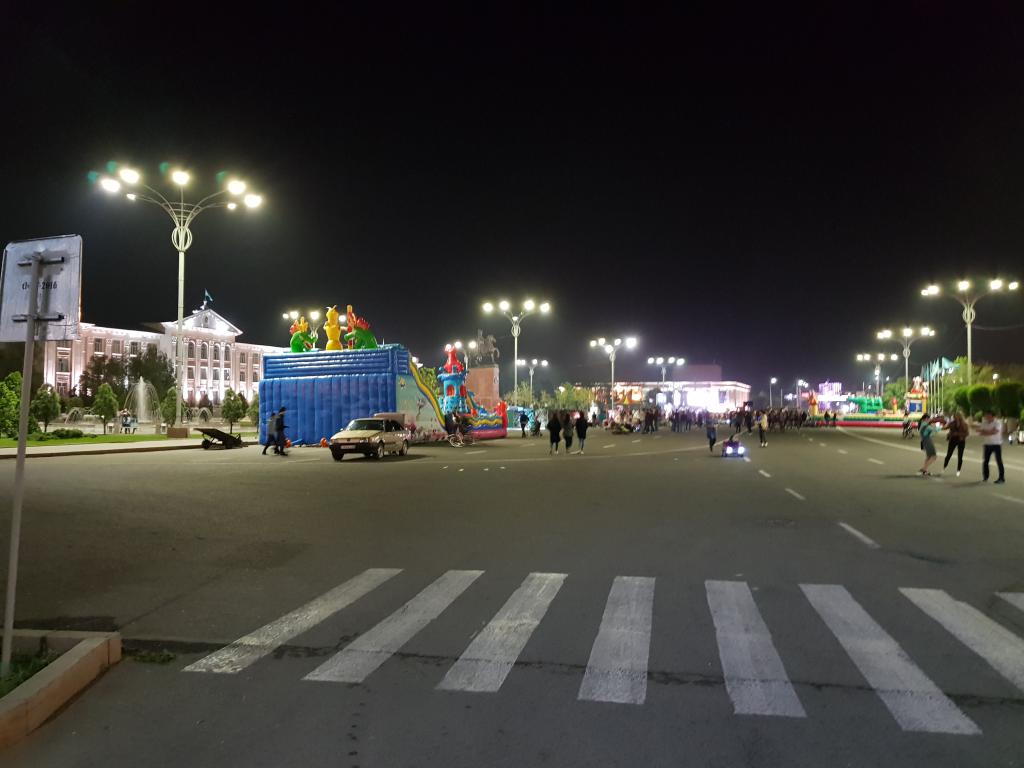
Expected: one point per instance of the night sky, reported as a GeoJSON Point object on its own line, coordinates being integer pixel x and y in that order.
{"type": "Point", "coordinates": [760, 191]}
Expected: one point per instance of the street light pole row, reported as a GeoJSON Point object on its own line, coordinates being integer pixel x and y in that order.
{"type": "Point", "coordinates": [906, 340]}
{"type": "Point", "coordinates": [529, 307]}
{"type": "Point", "coordinates": [665, 362]}
{"type": "Point", "coordinates": [532, 365]}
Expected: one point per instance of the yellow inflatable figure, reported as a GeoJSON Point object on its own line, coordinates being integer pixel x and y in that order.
{"type": "Point", "coordinates": [333, 328]}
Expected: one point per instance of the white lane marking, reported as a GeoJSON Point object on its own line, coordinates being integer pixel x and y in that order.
{"type": "Point", "coordinates": [487, 469]}
{"type": "Point", "coordinates": [858, 535]}
{"type": "Point", "coordinates": [794, 494]}
{"type": "Point", "coordinates": [1002, 649]}
{"type": "Point", "coordinates": [445, 467]}
{"type": "Point", "coordinates": [876, 461]}
{"type": "Point", "coordinates": [888, 444]}
{"type": "Point", "coordinates": [1013, 598]}
{"type": "Point", "coordinates": [500, 467]}
{"type": "Point", "coordinates": [485, 664]}
{"type": "Point", "coordinates": [912, 698]}
{"type": "Point", "coordinates": [610, 445]}
{"type": "Point", "coordinates": [1008, 498]}
{"type": "Point", "coordinates": [617, 670]}
{"type": "Point", "coordinates": [842, 451]}
{"type": "Point", "coordinates": [263, 641]}
{"type": "Point", "coordinates": [746, 459]}
{"type": "Point", "coordinates": [762, 472]}
{"type": "Point", "coordinates": [822, 444]}
{"type": "Point", "coordinates": [637, 440]}
{"type": "Point", "coordinates": [755, 678]}
{"type": "Point", "coordinates": [462, 469]}
{"type": "Point", "coordinates": [470, 453]}
{"type": "Point", "coordinates": [355, 662]}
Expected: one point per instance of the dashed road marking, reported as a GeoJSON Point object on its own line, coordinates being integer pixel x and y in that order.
{"type": "Point", "coordinates": [876, 461]}
{"type": "Point", "coordinates": [470, 453]}
{"type": "Point", "coordinates": [842, 451]}
{"type": "Point", "coordinates": [610, 445]}
{"type": "Point", "coordinates": [637, 440]}
{"type": "Point", "coordinates": [822, 445]}
{"type": "Point", "coordinates": [794, 494]}
{"type": "Point", "coordinates": [762, 472]}
{"type": "Point", "coordinates": [462, 469]}
{"type": "Point", "coordinates": [867, 540]}
{"type": "Point", "coordinates": [1008, 498]}
{"type": "Point", "coordinates": [746, 459]}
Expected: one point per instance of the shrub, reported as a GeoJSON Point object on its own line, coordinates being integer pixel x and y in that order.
{"type": "Point", "coordinates": [1007, 398]}
{"type": "Point", "coordinates": [66, 434]}
{"type": "Point", "coordinates": [980, 397]}
{"type": "Point", "coordinates": [961, 399]}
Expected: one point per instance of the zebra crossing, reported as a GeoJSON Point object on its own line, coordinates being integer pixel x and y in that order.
{"type": "Point", "coordinates": [754, 674]}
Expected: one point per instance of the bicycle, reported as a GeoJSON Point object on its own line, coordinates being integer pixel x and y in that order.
{"type": "Point", "coordinates": [459, 439]}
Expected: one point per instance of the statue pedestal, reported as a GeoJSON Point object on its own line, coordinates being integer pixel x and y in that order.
{"type": "Point", "coordinates": [483, 382]}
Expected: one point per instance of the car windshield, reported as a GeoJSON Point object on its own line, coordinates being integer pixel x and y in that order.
{"type": "Point", "coordinates": [377, 425]}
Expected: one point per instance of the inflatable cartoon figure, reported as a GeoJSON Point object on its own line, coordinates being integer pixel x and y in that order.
{"type": "Point", "coordinates": [812, 403]}
{"type": "Point", "coordinates": [333, 328]}
{"type": "Point", "coordinates": [452, 365]}
{"type": "Point", "coordinates": [303, 339]}
{"type": "Point", "coordinates": [358, 336]}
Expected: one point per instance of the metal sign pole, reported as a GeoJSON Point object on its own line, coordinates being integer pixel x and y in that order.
{"type": "Point", "coordinates": [19, 467]}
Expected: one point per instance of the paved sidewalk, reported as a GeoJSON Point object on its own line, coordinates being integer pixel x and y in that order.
{"type": "Point", "coordinates": [80, 449]}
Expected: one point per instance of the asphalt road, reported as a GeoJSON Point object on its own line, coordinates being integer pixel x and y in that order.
{"type": "Point", "coordinates": [646, 604]}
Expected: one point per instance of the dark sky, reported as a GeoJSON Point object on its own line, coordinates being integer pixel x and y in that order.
{"type": "Point", "coordinates": [761, 191]}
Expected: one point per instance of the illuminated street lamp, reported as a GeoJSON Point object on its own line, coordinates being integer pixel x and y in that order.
{"type": "Point", "coordinates": [772, 382]}
{"type": "Point", "coordinates": [529, 307]}
{"type": "Point", "coordinates": [532, 365]}
{"type": "Point", "coordinates": [968, 299]}
{"type": "Point", "coordinates": [878, 358]}
{"type": "Point", "coordinates": [182, 215]}
{"type": "Point", "coordinates": [610, 349]}
{"type": "Point", "coordinates": [665, 362]}
{"type": "Point", "coordinates": [800, 383]}
{"type": "Point", "coordinates": [906, 339]}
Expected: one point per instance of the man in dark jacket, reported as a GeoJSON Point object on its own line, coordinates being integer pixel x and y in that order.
{"type": "Point", "coordinates": [280, 432]}
{"type": "Point", "coordinates": [582, 424]}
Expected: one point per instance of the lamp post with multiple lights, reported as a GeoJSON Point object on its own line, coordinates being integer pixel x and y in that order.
{"type": "Point", "coordinates": [532, 365]}
{"type": "Point", "coordinates": [665, 362]}
{"type": "Point", "coordinates": [968, 299]}
{"type": "Point", "coordinates": [610, 349]}
{"type": "Point", "coordinates": [182, 215]}
{"type": "Point", "coordinates": [799, 384]}
{"type": "Point", "coordinates": [771, 383]}
{"type": "Point", "coordinates": [878, 358]}
{"type": "Point", "coordinates": [529, 307]}
{"type": "Point", "coordinates": [906, 339]}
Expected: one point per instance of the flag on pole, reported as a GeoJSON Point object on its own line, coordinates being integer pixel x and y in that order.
{"type": "Point", "coordinates": [207, 296]}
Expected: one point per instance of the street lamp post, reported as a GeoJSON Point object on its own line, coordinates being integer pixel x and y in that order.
{"type": "Point", "coordinates": [532, 365]}
{"type": "Point", "coordinates": [182, 215]}
{"type": "Point", "coordinates": [771, 384]}
{"type": "Point", "coordinates": [878, 358]}
{"type": "Point", "coordinates": [799, 383]}
{"type": "Point", "coordinates": [529, 307]}
{"type": "Point", "coordinates": [664, 363]}
{"type": "Point", "coordinates": [906, 340]}
{"type": "Point", "coordinates": [968, 300]}
{"type": "Point", "coordinates": [610, 349]}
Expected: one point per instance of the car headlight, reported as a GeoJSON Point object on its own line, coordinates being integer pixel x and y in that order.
{"type": "Point", "coordinates": [742, 449]}
{"type": "Point", "coordinates": [728, 450]}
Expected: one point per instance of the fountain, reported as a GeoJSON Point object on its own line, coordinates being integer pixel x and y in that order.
{"type": "Point", "coordinates": [144, 404]}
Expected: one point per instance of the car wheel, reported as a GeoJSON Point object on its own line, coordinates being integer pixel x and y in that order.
{"type": "Point", "coordinates": [379, 452]}
{"type": "Point", "coordinates": [404, 451]}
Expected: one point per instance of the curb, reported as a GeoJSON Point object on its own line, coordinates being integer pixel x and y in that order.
{"type": "Point", "coordinates": [85, 656]}
{"type": "Point", "coordinates": [99, 452]}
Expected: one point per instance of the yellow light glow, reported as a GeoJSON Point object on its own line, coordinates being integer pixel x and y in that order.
{"type": "Point", "coordinates": [996, 285]}
{"type": "Point", "coordinates": [545, 307]}
{"type": "Point", "coordinates": [232, 206]}
{"type": "Point", "coordinates": [650, 361]}
{"type": "Point", "coordinates": [488, 307]}
{"type": "Point", "coordinates": [131, 196]}
{"type": "Point", "coordinates": [236, 187]}
{"type": "Point", "coordinates": [284, 315]}
{"type": "Point", "coordinates": [110, 185]}
{"type": "Point", "coordinates": [294, 315]}
{"type": "Point", "coordinates": [630, 342]}
{"type": "Point", "coordinates": [963, 285]}
{"type": "Point", "coordinates": [503, 305]}
{"type": "Point", "coordinates": [908, 332]}
{"type": "Point", "coordinates": [528, 305]}
{"type": "Point", "coordinates": [181, 178]}
{"type": "Point", "coordinates": [1013, 286]}
{"type": "Point", "coordinates": [129, 175]}
{"type": "Point", "coordinates": [314, 315]}
{"type": "Point", "coordinates": [253, 201]}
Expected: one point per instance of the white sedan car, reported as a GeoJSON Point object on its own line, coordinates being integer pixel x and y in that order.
{"type": "Point", "coordinates": [374, 437]}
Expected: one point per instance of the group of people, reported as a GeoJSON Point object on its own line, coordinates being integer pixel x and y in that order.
{"type": "Point", "coordinates": [275, 433]}
{"type": "Point", "coordinates": [128, 422]}
{"type": "Point", "coordinates": [957, 430]}
{"type": "Point", "coordinates": [563, 426]}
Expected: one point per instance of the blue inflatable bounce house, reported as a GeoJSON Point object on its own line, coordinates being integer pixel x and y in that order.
{"type": "Point", "coordinates": [322, 391]}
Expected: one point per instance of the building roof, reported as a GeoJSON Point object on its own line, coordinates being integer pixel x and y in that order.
{"type": "Point", "coordinates": [205, 320]}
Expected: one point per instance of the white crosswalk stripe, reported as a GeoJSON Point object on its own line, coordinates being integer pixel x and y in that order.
{"type": "Point", "coordinates": [487, 661]}
{"type": "Point", "coordinates": [1013, 598]}
{"type": "Point", "coordinates": [1002, 649]}
{"type": "Point", "coordinates": [617, 670]}
{"type": "Point", "coordinates": [754, 675]}
{"type": "Point", "coordinates": [360, 658]}
{"type": "Point", "coordinates": [254, 646]}
{"type": "Point", "coordinates": [912, 698]}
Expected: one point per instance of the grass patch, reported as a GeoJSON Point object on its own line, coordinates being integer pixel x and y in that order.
{"type": "Point", "coordinates": [151, 657]}
{"type": "Point", "coordinates": [22, 668]}
{"type": "Point", "coordinates": [84, 440]}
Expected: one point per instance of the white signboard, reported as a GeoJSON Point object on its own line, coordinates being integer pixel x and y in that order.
{"type": "Point", "coordinates": [59, 300]}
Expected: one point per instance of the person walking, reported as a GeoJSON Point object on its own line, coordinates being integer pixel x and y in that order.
{"type": "Point", "coordinates": [927, 444]}
{"type": "Point", "coordinates": [524, 421]}
{"type": "Point", "coordinates": [762, 428]}
{"type": "Point", "coordinates": [567, 431]}
{"type": "Point", "coordinates": [991, 430]}
{"type": "Point", "coordinates": [712, 433]}
{"type": "Point", "coordinates": [582, 424]}
{"type": "Point", "coordinates": [271, 433]}
{"type": "Point", "coordinates": [554, 432]}
{"type": "Point", "coordinates": [957, 434]}
{"type": "Point", "coordinates": [279, 428]}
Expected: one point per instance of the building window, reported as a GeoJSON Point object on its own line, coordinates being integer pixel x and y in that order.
{"type": "Point", "coordinates": [64, 344]}
{"type": "Point", "coordinates": [241, 375]}
{"type": "Point", "coordinates": [115, 347]}
{"type": "Point", "coordinates": [192, 350]}
{"type": "Point", "coordinates": [97, 346]}
{"type": "Point", "coordinates": [255, 377]}
{"type": "Point", "coordinates": [63, 365]}
{"type": "Point", "coordinates": [216, 352]}
{"type": "Point", "coordinates": [204, 351]}
{"type": "Point", "coordinates": [134, 347]}
{"type": "Point", "coordinates": [241, 358]}
{"type": "Point", "coordinates": [191, 373]}
{"type": "Point", "coordinates": [255, 360]}
{"type": "Point", "coordinates": [227, 374]}
{"type": "Point", "coordinates": [62, 387]}
{"type": "Point", "coordinates": [227, 354]}
{"type": "Point", "coordinates": [204, 375]}
{"type": "Point", "coordinates": [216, 374]}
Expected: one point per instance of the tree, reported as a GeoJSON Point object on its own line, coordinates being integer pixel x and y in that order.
{"type": "Point", "coordinates": [100, 371]}
{"type": "Point", "coordinates": [522, 390]}
{"type": "Point", "coordinates": [254, 409]}
{"type": "Point", "coordinates": [960, 397]}
{"type": "Point", "coordinates": [429, 376]}
{"type": "Point", "coordinates": [1007, 398]}
{"type": "Point", "coordinates": [105, 404]}
{"type": "Point", "coordinates": [980, 397]}
{"type": "Point", "coordinates": [153, 366]}
{"type": "Point", "coordinates": [169, 405]}
{"type": "Point", "coordinates": [45, 406]}
{"type": "Point", "coordinates": [895, 390]}
{"type": "Point", "coordinates": [232, 409]}
{"type": "Point", "coordinates": [10, 404]}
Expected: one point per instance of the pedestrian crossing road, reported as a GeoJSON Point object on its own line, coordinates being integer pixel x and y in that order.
{"type": "Point", "coordinates": [619, 667]}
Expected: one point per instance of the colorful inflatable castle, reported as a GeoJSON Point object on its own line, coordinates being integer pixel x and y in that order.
{"type": "Point", "coordinates": [456, 399]}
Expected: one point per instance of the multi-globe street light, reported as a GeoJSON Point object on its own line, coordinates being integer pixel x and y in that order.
{"type": "Point", "coordinates": [965, 296]}
{"type": "Point", "coordinates": [182, 215]}
{"type": "Point", "coordinates": [771, 383]}
{"type": "Point", "coordinates": [878, 358]}
{"type": "Point", "coordinates": [800, 383]}
{"type": "Point", "coordinates": [610, 348]}
{"type": "Point", "coordinates": [532, 365]}
{"type": "Point", "coordinates": [665, 362]}
{"type": "Point", "coordinates": [906, 339]}
{"type": "Point", "coordinates": [528, 307]}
